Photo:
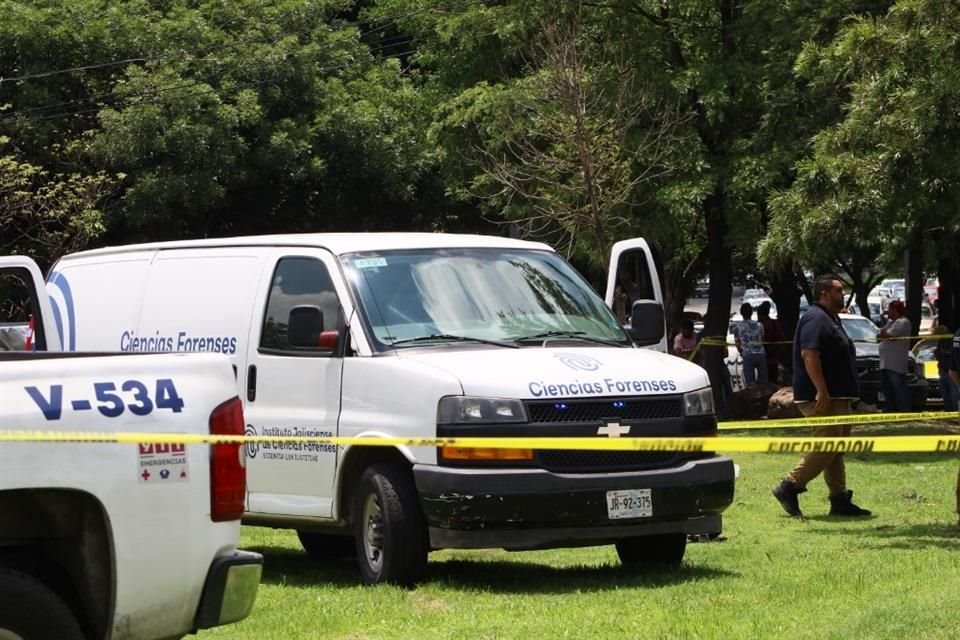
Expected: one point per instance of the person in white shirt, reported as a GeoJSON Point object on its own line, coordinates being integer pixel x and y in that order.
{"type": "Point", "coordinates": [894, 347]}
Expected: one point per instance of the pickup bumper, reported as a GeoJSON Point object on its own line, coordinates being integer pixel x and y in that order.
{"type": "Point", "coordinates": [230, 589]}
{"type": "Point", "coordinates": [522, 509]}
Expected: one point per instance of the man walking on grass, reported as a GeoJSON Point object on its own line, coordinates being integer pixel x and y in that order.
{"type": "Point", "coordinates": [954, 373]}
{"type": "Point", "coordinates": [824, 384]}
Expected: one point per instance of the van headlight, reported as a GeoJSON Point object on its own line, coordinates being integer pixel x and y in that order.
{"type": "Point", "coordinates": [698, 403]}
{"type": "Point", "coordinates": [465, 409]}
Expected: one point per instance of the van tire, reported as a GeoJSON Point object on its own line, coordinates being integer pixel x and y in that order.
{"type": "Point", "coordinates": [389, 527]}
{"type": "Point", "coordinates": [665, 550]}
{"type": "Point", "coordinates": [33, 611]}
{"type": "Point", "coordinates": [327, 546]}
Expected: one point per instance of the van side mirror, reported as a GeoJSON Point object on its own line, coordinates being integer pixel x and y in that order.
{"type": "Point", "coordinates": [647, 324]}
{"type": "Point", "coordinates": [304, 327]}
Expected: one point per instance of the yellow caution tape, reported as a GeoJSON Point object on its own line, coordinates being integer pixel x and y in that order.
{"type": "Point", "coordinates": [822, 421]}
{"type": "Point", "coordinates": [883, 444]}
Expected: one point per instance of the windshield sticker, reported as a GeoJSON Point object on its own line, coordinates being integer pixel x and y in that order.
{"type": "Point", "coordinates": [369, 263]}
{"type": "Point", "coordinates": [543, 389]}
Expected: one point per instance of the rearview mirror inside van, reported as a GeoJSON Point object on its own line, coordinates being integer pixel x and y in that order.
{"type": "Point", "coordinates": [304, 327]}
{"type": "Point", "coordinates": [647, 322]}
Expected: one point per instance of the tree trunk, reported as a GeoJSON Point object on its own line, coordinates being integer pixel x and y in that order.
{"type": "Point", "coordinates": [718, 308]}
{"type": "Point", "coordinates": [915, 281]}
{"type": "Point", "coordinates": [675, 297]}
{"type": "Point", "coordinates": [948, 273]}
{"type": "Point", "coordinates": [786, 295]}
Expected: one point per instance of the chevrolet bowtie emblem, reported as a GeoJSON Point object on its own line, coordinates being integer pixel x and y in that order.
{"type": "Point", "coordinates": [613, 430]}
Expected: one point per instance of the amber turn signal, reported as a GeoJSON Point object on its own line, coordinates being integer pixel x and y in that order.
{"type": "Point", "coordinates": [485, 453]}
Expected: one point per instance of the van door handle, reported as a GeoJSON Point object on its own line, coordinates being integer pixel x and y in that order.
{"type": "Point", "coordinates": [251, 383]}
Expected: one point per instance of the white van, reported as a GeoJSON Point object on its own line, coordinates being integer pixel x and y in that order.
{"type": "Point", "coordinates": [422, 335]}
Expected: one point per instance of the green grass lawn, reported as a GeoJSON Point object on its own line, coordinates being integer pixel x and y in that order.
{"type": "Point", "coordinates": [894, 575]}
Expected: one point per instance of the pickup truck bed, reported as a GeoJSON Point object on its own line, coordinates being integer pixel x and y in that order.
{"type": "Point", "coordinates": [122, 537]}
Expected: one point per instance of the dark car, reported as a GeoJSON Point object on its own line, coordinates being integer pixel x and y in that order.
{"type": "Point", "coordinates": [925, 353]}
{"type": "Point", "coordinates": [865, 336]}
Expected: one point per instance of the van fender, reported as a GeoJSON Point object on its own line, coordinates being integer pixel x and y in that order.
{"type": "Point", "coordinates": [354, 459]}
{"type": "Point", "coordinates": [406, 450]}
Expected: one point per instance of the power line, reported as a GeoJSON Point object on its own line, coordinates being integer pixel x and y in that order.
{"type": "Point", "coordinates": [155, 98]}
{"type": "Point", "coordinates": [86, 67]}
{"type": "Point", "coordinates": [48, 112]}
{"type": "Point", "coordinates": [388, 21]}
{"type": "Point", "coordinates": [342, 26]}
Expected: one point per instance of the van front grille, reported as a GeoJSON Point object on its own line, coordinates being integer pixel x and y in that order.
{"type": "Point", "coordinates": [540, 411]}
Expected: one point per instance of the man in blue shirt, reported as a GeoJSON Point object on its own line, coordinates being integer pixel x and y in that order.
{"type": "Point", "coordinates": [824, 384]}
{"type": "Point", "coordinates": [955, 376]}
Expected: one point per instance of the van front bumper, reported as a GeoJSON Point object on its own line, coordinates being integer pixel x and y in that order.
{"type": "Point", "coordinates": [230, 589]}
{"type": "Point", "coordinates": [474, 508]}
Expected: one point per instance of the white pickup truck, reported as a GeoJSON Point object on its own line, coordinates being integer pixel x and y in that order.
{"type": "Point", "coordinates": [105, 540]}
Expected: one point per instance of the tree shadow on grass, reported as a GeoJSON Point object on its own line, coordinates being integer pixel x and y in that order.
{"type": "Point", "coordinates": [289, 567]}
{"type": "Point", "coordinates": [285, 566]}
{"type": "Point", "coordinates": [530, 577]}
{"type": "Point", "coordinates": [939, 535]}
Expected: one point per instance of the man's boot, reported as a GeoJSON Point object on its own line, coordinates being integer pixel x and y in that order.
{"type": "Point", "coordinates": [786, 492]}
{"type": "Point", "coordinates": [842, 505]}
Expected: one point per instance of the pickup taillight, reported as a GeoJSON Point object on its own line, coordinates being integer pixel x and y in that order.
{"type": "Point", "coordinates": [228, 472]}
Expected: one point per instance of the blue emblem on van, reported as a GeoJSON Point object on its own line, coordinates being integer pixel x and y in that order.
{"type": "Point", "coordinates": [253, 448]}
{"type": "Point", "coordinates": [578, 362]}
{"type": "Point", "coordinates": [65, 318]}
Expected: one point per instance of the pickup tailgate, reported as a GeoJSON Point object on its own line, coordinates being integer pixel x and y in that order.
{"type": "Point", "coordinates": [156, 496]}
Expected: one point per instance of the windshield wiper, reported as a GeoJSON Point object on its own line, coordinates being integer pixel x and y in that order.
{"type": "Point", "coordinates": [576, 335]}
{"type": "Point", "coordinates": [446, 337]}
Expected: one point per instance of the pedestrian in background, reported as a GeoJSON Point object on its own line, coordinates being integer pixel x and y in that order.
{"type": "Point", "coordinates": [949, 390]}
{"type": "Point", "coordinates": [824, 384]}
{"type": "Point", "coordinates": [748, 335]}
{"type": "Point", "coordinates": [685, 342]}
{"type": "Point", "coordinates": [894, 350]}
{"type": "Point", "coordinates": [772, 337]}
{"type": "Point", "coordinates": [954, 372]}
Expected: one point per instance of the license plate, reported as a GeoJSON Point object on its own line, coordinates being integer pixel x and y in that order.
{"type": "Point", "coordinates": [631, 503]}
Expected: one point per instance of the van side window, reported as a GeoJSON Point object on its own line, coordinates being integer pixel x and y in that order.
{"type": "Point", "coordinates": [301, 305]}
{"type": "Point", "coordinates": [17, 308]}
{"type": "Point", "coordinates": [633, 275]}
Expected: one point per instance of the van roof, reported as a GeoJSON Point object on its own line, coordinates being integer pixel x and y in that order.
{"type": "Point", "coordinates": [337, 243]}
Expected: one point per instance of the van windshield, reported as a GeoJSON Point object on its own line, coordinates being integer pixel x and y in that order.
{"type": "Point", "coordinates": [423, 296]}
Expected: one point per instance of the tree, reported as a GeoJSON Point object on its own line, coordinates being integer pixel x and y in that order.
{"type": "Point", "coordinates": [885, 171]}
{"type": "Point", "coordinates": [579, 137]}
{"type": "Point", "coordinates": [238, 117]}
{"type": "Point", "coordinates": [45, 215]}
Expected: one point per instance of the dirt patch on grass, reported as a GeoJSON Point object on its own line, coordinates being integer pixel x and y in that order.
{"type": "Point", "coordinates": [424, 602]}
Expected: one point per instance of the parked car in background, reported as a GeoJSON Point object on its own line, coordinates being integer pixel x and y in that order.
{"type": "Point", "coordinates": [925, 353]}
{"type": "Point", "coordinates": [702, 287]}
{"type": "Point", "coordinates": [756, 299]}
{"type": "Point", "coordinates": [866, 341]}
{"type": "Point", "coordinates": [928, 319]}
{"type": "Point", "coordinates": [876, 310]}
{"type": "Point", "coordinates": [733, 359]}
{"type": "Point", "coordinates": [890, 288]}
{"type": "Point", "coordinates": [931, 290]}
{"type": "Point", "coordinates": [750, 294]}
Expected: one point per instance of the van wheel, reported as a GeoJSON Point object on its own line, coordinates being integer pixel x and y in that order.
{"type": "Point", "coordinates": [665, 549]}
{"type": "Point", "coordinates": [390, 532]}
{"type": "Point", "coordinates": [325, 546]}
{"type": "Point", "coordinates": [32, 611]}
